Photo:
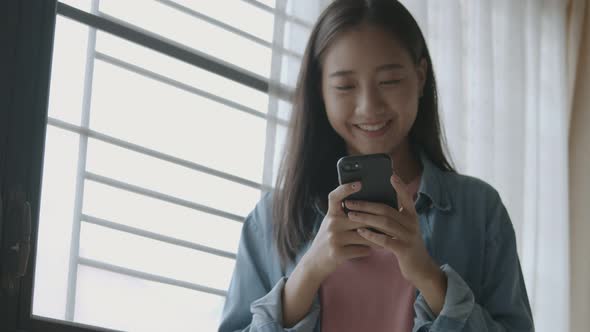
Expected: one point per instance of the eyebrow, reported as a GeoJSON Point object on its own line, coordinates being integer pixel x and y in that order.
{"type": "Point", "coordinates": [388, 66]}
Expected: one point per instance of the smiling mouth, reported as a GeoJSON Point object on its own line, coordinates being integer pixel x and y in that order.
{"type": "Point", "coordinates": [373, 128]}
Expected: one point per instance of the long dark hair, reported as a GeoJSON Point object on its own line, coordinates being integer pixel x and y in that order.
{"type": "Point", "coordinates": [308, 169]}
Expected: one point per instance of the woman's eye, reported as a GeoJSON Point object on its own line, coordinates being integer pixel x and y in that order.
{"type": "Point", "coordinates": [390, 82]}
{"type": "Point", "coordinates": [344, 87]}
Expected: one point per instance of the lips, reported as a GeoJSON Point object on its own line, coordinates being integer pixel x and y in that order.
{"type": "Point", "coordinates": [373, 129]}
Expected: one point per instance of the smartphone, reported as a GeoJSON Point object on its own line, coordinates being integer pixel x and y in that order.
{"type": "Point", "coordinates": [374, 172]}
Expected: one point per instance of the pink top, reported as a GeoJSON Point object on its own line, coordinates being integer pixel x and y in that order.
{"type": "Point", "coordinates": [369, 293]}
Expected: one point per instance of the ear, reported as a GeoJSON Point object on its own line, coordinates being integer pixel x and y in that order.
{"type": "Point", "coordinates": [422, 70]}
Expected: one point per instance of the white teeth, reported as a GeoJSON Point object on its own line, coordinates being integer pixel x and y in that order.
{"type": "Point", "coordinates": [372, 127]}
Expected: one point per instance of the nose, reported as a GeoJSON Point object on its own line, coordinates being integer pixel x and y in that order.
{"type": "Point", "coordinates": [370, 102]}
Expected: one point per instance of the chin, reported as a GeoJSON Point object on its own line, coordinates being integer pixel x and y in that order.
{"type": "Point", "coordinates": [387, 145]}
{"type": "Point", "coordinates": [374, 149]}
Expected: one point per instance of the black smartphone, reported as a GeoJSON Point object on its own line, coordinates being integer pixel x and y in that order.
{"type": "Point", "coordinates": [374, 172]}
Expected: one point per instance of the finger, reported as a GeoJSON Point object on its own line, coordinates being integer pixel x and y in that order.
{"type": "Point", "coordinates": [381, 223]}
{"type": "Point", "coordinates": [405, 202]}
{"type": "Point", "coordinates": [406, 221]}
{"type": "Point", "coordinates": [378, 209]}
{"type": "Point", "coordinates": [369, 207]}
{"type": "Point", "coordinates": [354, 251]}
{"type": "Point", "coordinates": [380, 239]}
{"type": "Point", "coordinates": [352, 237]}
{"type": "Point", "coordinates": [337, 195]}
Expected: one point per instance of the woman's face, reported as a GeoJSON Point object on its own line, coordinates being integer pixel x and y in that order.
{"type": "Point", "coordinates": [371, 87]}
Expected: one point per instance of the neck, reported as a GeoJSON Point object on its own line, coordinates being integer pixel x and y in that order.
{"type": "Point", "coordinates": [405, 163]}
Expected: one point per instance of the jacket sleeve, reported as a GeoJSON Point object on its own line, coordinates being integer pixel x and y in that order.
{"type": "Point", "coordinates": [253, 304]}
{"type": "Point", "coordinates": [503, 304]}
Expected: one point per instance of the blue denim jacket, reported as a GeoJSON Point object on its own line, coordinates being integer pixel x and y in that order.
{"type": "Point", "coordinates": [467, 231]}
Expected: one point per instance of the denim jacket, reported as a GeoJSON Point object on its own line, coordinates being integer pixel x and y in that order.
{"type": "Point", "coordinates": [466, 230]}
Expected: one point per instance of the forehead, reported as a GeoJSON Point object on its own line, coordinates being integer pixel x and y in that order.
{"type": "Point", "coordinates": [364, 47]}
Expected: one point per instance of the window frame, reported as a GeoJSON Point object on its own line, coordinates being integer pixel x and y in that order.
{"type": "Point", "coordinates": [28, 31]}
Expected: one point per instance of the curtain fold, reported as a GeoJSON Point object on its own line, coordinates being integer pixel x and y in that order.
{"type": "Point", "coordinates": [579, 148]}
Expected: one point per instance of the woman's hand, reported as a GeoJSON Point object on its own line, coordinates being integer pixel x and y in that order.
{"type": "Point", "coordinates": [337, 239]}
{"type": "Point", "coordinates": [401, 230]}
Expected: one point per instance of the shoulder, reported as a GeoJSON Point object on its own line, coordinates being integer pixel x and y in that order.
{"type": "Point", "coordinates": [258, 236]}
{"type": "Point", "coordinates": [477, 200]}
{"type": "Point", "coordinates": [466, 189]}
{"type": "Point", "coordinates": [450, 190]}
{"type": "Point", "coordinates": [259, 220]}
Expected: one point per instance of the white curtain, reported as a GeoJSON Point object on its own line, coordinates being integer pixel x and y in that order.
{"type": "Point", "coordinates": [579, 69]}
{"type": "Point", "coordinates": [504, 87]}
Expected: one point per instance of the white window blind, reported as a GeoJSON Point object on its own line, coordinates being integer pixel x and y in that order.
{"type": "Point", "coordinates": [165, 125]}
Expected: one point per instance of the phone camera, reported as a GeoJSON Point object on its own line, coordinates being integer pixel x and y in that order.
{"type": "Point", "coordinates": [351, 167]}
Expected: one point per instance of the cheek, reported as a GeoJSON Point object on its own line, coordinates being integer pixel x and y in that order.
{"type": "Point", "coordinates": [337, 121]}
{"type": "Point", "coordinates": [338, 111]}
{"type": "Point", "coordinates": [405, 102]}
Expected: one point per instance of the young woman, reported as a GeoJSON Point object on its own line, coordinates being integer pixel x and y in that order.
{"type": "Point", "coordinates": [447, 260]}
